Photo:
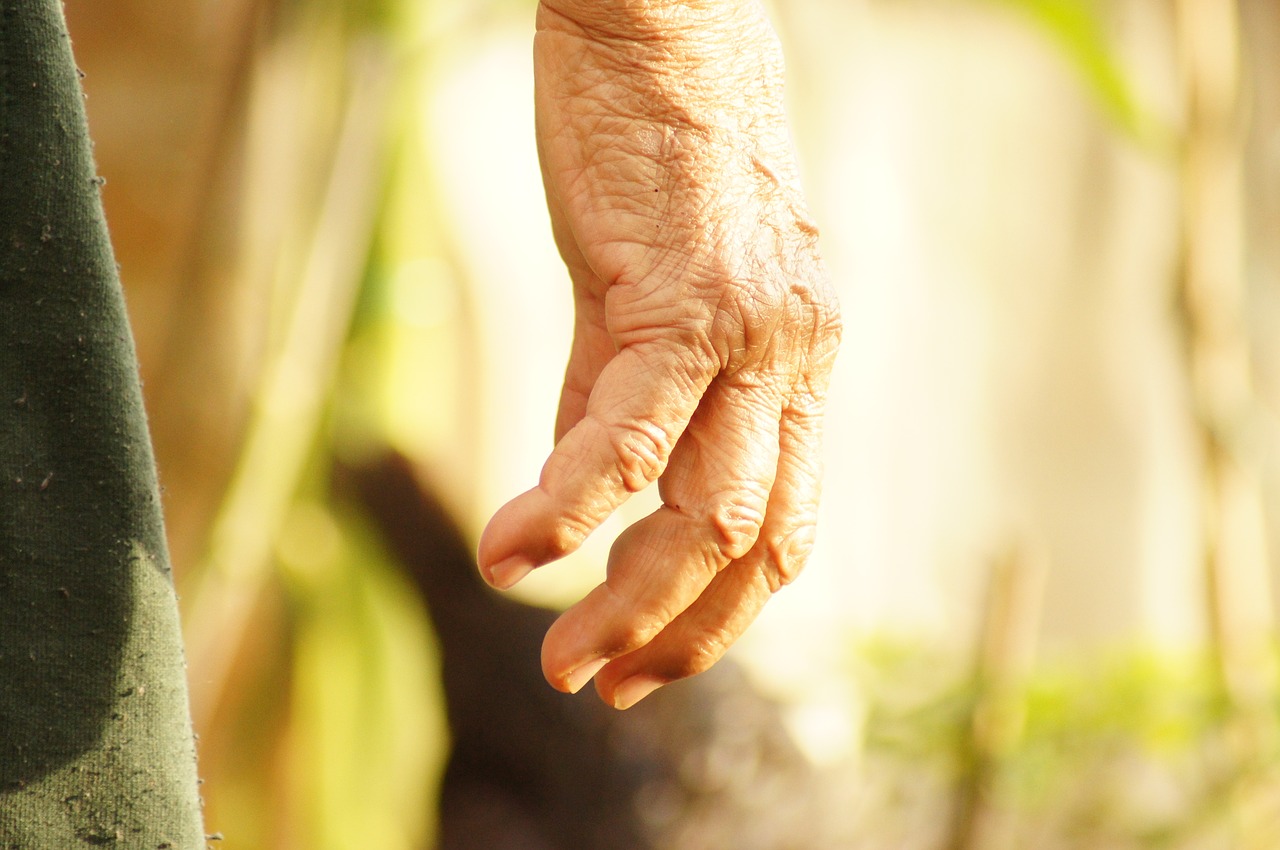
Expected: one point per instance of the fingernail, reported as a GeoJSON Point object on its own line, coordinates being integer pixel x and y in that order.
{"type": "Point", "coordinates": [632, 690]}
{"type": "Point", "coordinates": [508, 571]}
{"type": "Point", "coordinates": [583, 674]}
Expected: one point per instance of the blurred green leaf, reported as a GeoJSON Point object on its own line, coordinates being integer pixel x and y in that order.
{"type": "Point", "coordinates": [367, 728]}
{"type": "Point", "coordinates": [1120, 749]}
{"type": "Point", "coordinates": [1077, 28]}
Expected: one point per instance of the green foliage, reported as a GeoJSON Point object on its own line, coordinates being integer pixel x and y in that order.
{"type": "Point", "coordinates": [1129, 750]}
{"type": "Point", "coordinates": [1077, 28]}
{"type": "Point", "coordinates": [367, 729]}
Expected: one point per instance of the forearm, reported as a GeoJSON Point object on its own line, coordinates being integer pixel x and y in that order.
{"type": "Point", "coordinates": [713, 67]}
{"type": "Point", "coordinates": [645, 20]}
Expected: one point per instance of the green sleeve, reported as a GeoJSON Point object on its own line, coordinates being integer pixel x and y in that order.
{"type": "Point", "coordinates": [95, 738]}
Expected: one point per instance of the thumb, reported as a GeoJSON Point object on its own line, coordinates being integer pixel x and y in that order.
{"type": "Point", "coordinates": [592, 349]}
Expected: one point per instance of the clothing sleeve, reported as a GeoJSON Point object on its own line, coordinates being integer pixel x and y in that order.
{"type": "Point", "coordinates": [95, 737]}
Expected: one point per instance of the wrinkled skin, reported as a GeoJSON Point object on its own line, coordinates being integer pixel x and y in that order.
{"type": "Point", "coordinates": [705, 334]}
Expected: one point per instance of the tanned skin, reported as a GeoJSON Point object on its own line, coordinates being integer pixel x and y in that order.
{"type": "Point", "coordinates": [705, 334]}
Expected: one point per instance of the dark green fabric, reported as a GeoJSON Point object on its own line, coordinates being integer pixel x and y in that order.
{"type": "Point", "coordinates": [95, 740]}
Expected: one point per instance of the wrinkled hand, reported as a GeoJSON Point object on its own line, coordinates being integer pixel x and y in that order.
{"type": "Point", "coordinates": [704, 337]}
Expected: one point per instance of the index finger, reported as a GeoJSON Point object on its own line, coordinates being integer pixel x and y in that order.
{"type": "Point", "coordinates": [641, 404]}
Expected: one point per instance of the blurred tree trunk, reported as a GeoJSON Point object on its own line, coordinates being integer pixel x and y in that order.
{"type": "Point", "coordinates": [1215, 300]}
{"type": "Point", "coordinates": [1260, 31]}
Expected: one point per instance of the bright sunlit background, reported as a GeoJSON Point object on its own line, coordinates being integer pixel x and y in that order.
{"type": "Point", "coordinates": [1044, 594]}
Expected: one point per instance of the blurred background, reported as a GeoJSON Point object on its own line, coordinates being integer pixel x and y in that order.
{"type": "Point", "coordinates": [1042, 608]}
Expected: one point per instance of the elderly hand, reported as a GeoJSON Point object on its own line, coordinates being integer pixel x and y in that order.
{"type": "Point", "coordinates": [705, 334]}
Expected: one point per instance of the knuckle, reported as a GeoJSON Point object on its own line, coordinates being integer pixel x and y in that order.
{"type": "Point", "coordinates": [647, 315]}
{"type": "Point", "coordinates": [564, 537]}
{"type": "Point", "coordinates": [641, 451]}
{"type": "Point", "coordinates": [814, 302]}
{"type": "Point", "coordinates": [633, 634]}
{"type": "Point", "coordinates": [771, 315]}
{"type": "Point", "coordinates": [631, 627]}
{"type": "Point", "coordinates": [736, 522]}
{"type": "Point", "coordinates": [749, 316]}
{"type": "Point", "coordinates": [827, 322]}
{"type": "Point", "coordinates": [830, 319]}
{"type": "Point", "coordinates": [699, 657]}
{"type": "Point", "coordinates": [787, 554]}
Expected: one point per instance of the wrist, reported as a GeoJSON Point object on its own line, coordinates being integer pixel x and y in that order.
{"type": "Point", "coordinates": [646, 20]}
